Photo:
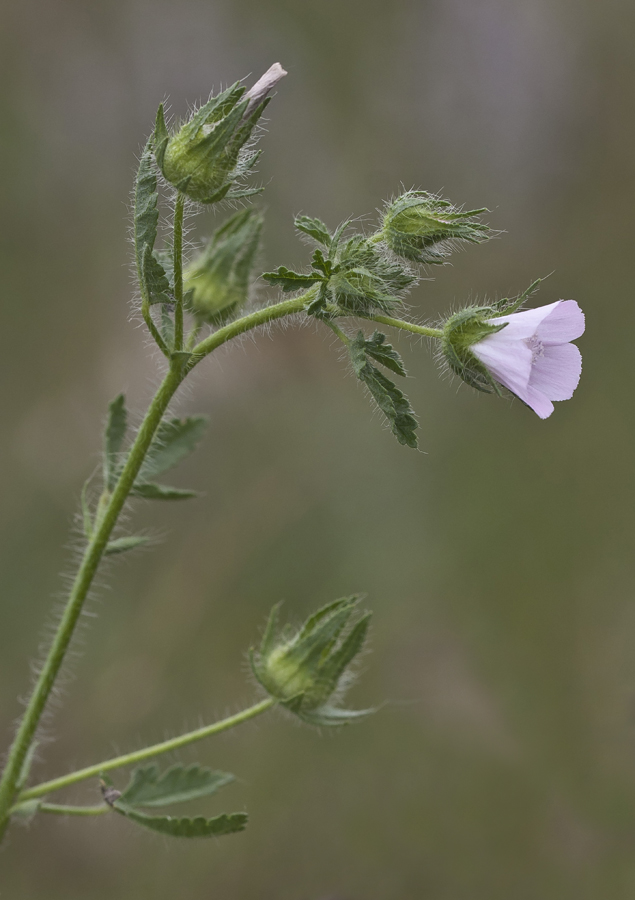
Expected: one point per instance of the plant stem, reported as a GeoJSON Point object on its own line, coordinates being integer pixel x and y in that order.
{"type": "Point", "coordinates": [177, 250]}
{"type": "Point", "coordinates": [58, 810]}
{"type": "Point", "coordinates": [79, 591]}
{"type": "Point", "coordinates": [407, 326]}
{"type": "Point", "coordinates": [128, 759]}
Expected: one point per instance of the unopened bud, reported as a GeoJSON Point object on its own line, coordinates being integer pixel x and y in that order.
{"type": "Point", "coordinates": [423, 228]}
{"type": "Point", "coordinates": [218, 280]}
{"type": "Point", "coordinates": [208, 156]}
{"type": "Point", "coordinates": [307, 670]}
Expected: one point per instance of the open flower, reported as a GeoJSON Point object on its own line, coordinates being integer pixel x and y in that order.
{"type": "Point", "coordinates": [532, 356]}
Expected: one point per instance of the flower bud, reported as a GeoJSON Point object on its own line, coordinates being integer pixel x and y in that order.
{"type": "Point", "coordinates": [307, 670]}
{"type": "Point", "coordinates": [423, 228]}
{"type": "Point", "coordinates": [207, 157]}
{"type": "Point", "coordinates": [217, 281]}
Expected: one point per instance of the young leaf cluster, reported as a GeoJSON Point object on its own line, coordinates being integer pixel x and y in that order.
{"type": "Point", "coordinates": [350, 276]}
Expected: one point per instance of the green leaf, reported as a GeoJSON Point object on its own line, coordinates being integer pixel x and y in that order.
{"type": "Point", "coordinates": [325, 266]}
{"type": "Point", "coordinates": [185, 827]}
{"type": "Point", "coordinates": [352, 644]}
{"type": "Point", "coordinates": [290, 281]}
{"type": "Point", "coordinates": [177, 784]}
{"type": "Point", "coordinates": [146, 214]}
{"type": "Point", "coordinates": [315, 229]}
{"type": "Point", "coordinates": [159, 140]}
{"type": "Point", "coordinates": [175, 439]}
{"type": "Point", "coordinates": [122, 544]}
{"type": "Point", "coordinates": [150, 491]}
{"type": "Point", "coordinates": [381, 352]}
{"type": "Point", "coordinates": [114, 436]}
{"type": "Point", "coordinates": [394, 405]}
{"type": "Point", "coordinates": [155, 285]}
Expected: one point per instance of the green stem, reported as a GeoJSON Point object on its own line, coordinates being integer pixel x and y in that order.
{"type": "Point", "coordinates": [92, 557]}
{"type": "Point", "coordinates": [79, 591]}
{"type": "Point", "coordinates": [137, 756]}
{"type": "Point", "coordinates": [407, 326]}
{"type": "Point", "coordinates": [177, 250]}
{"type": "Point", "coordinates": [240, 326]}
{"type": "Point", "coordinates": [58, 810]}
{"type": "Point", "coordinates": [338, 331]}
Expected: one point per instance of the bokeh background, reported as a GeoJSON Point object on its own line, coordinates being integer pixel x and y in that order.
{"type": "Point", "coordinates": [499, 561]}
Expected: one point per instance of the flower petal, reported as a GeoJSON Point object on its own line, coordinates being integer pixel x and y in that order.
{"type": "Point", "coordinates": [507, 358]}
{"type": "Point", "coordinates": [556, 373]}
{"type": "Point", "coordinates": [523, 325]}
{"type": "Point", "coordinates": [565, 323]}
{"type": "Point", "coordinates": [537, 401]}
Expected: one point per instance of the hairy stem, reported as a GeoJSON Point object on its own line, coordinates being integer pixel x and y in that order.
{"type": "Point", "coordinates": [128, 759]}
{"type": "Point", "coordinates": [92, 557]}
{"type": "Point", "coordinates": [179, 209]}
{"type": "Point", "coordinates": [407, 326]}
{"type": "Point", "coordinates": [79, 591]}
{"type": "Point", "coordinates": [58, 810]}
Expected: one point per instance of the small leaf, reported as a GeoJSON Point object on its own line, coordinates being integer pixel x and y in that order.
{"type": "Point", "coordinates": [394, 405]}
{"type": "Point", "coordinates": [122, 544]}
{"type": "Point", "coordinates": [175, 439]}
{"type": "Point", "coordinates": [176, 785]}
{"type": "Point", "coordinates": [184, 827]}
{"type": "Point", "coordinates": [114, 436]}
{"type": "Point", "coordinates": [314, 228]}
{"type": "Point", "coordinates": [290, 281]}
{"type": "Point", "coordinates": [382, 352]}
{"type": "Point", "coordinates": [352, 644]}
{"type": "Point", "coordinates": [146, 214]}
{"type": "Point", "coordinates": [150, 491]}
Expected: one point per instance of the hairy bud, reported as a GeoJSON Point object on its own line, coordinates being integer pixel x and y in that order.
{"type": "Point", "coordinates": [307, 670]}
{"type": "Point", "coordinates": [217, 281]}
{"type": "Point", "coordinates": [209, 155]}
{"type": "Point", "coordinates": [460, 332]}
{"type": "Point", "coordinates": [423, 228]}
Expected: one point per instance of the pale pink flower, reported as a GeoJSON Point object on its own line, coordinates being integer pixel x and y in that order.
{"type": "Point", "coordinates": [532, 356]}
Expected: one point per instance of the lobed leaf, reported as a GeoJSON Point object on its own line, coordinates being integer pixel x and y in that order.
{"type": "Point", "coordinates": [177, 784]}
{"type": "Point", "coordinates": [381, 352]}
{"type": "Point", "coordinates": [314, 228]}
{"type": "Point", "coordinates": [186, 827]}
{"type": "Point", "coordinates": [391, 401]}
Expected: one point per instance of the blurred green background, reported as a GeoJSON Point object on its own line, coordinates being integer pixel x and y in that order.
{"type": "Point", "coordinates": [498, 562]}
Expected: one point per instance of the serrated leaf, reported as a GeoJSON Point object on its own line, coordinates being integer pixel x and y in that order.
{"type": "Point", "coordinates": [391, 401]}
{"type": "Point", "coordinates": [151, 491]}
{"type": "Point", "coordinates": [314, 228]}
{"type": "Point", "coordinates": [382, 352]}
{"type": "Point", "coordinates": [114, 436]}
{"type": "Point", "coordinates": [123, 544]}
{"type": "Point", "coordinates": [146, 214]}
{"type": "Point", "coordinates": [177, 784]}
{"type": "Point", "coordinates": [186, 827]}
{"type": "Point", "coordinates": [175, 439]}
{"type": "Point", "coordinates": [155, 285]}
{"type": "Point", "coordinates": [289, 280]}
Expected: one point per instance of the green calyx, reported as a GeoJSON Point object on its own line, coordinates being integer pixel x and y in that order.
{"type": "Point", "coordinates": [460, 332]}
{"type": "Point", "coordinates": [217, 282]}
{"type": "Point", "coordinates": [307, 670]}
{"type": "Point", "coordinates": [207, 157]}
{"type": "Point", "coordinates": [423, 228]}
